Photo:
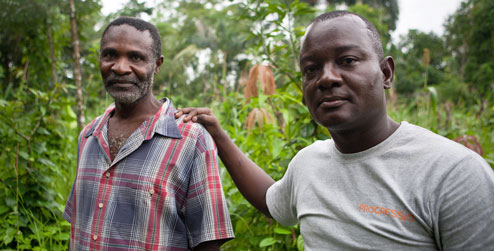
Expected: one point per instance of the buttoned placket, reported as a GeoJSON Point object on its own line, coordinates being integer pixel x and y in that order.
{"type": "Point", "coordinates": [132, 143]}
{"type": "Point", "coordinates": [100, 205]}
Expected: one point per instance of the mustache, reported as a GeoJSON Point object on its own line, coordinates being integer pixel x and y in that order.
{"type": "Point", "coordinates": [113, 79]}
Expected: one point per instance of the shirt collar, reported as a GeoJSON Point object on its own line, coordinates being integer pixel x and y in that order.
{"type": "Point", "coordinates": [162, 122]}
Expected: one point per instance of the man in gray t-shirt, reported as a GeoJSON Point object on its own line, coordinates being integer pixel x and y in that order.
{"type": "Point", "coordinates": [415, 189]}
{"type": "Point", "coordinates": [376, 184]}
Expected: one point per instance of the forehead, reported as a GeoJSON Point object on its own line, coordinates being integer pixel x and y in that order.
{"type": "Point", "coordinates": [347, 31]}
{"type": "Point", "coordinates": [126, 35]}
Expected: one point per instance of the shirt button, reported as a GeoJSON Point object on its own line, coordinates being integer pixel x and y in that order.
{"type": "Point", "coordinates": [95, 237]}
{"type": "Point", "coordinates": [108, 174]}
{"type": "Point", "coordinates": [100, 205]}
{"type": "Point", "coordinates": [151, 191]}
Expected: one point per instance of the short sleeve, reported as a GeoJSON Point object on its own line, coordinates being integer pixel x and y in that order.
{"type": "Point", "coordinates": [279, 199]}
{"type": "Point", "coordinates": [464, 207]}
{"type": "Point", "coordinates": [206, 212]}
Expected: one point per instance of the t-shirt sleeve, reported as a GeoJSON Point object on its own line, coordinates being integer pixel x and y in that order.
{"type": "Point", "coordinates": [280, 199]}
{"type": "Point", "coordinates": [464, 207]}
{"type": "Point", "coordinates": [206, 212]}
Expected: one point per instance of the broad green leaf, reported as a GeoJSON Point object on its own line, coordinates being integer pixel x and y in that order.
{"type": "Point", "coordinates": [8, 235]}
{"type": "Point", "coordinates": [62, 236]}
{"type": "Point", "coordinates": [70, 112]}
{"type": "Point", "coordinates": [24, 155]}
{"type": "Point", "coordinates": [267, 242]}
{"type": "Point", "coordinates": [300, 243]}
{"type": "Point", "coordinates": [3, 209]}
{"type": "Point", "coordinates": [282, 230]}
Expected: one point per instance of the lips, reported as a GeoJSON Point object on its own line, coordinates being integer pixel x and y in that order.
{"type": "Point", "coordinates": [332, 102]}
{"type": "Point", "coordinates": [122, 83]}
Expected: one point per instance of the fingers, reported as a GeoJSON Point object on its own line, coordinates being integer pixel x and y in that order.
{"type": "Point", "coordinates": [205, 119]}
{"type": "Point", "coordinates": [192, 112]}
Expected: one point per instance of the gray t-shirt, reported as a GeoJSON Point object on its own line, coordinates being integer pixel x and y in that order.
{"type": "Point", "coordinates": [415, 190]}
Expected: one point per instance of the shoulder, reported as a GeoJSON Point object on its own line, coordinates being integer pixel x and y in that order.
{"type": "Point", "coordinates": [317, 148]}
{"type": "Point", "coordinates": [313, 153]}
{"type": "Point", "coordinates": [90, 127]}
{"type": "Point", "coordinates": [430, 141]}
{"type": "Point", "coordinates": [433, 146]}
{"type": "Point", "coordinates": [191, 129]}
{"type": "Point", "coordinates": [195, 132]}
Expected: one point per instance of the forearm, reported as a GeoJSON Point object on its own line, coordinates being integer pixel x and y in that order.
{"type": "Point", "coordinates": [250, 179]}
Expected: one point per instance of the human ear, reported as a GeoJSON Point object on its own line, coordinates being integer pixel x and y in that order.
{"type": "Point", "coordinates": [159, 62]}
{"type": "Point", "coordinates": [388, 70]}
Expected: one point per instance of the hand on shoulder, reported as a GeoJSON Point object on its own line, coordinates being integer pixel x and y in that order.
{"type": "Point", "coordinates": [201, 115]}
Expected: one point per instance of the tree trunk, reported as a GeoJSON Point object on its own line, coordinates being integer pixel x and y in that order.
{"type": "Point", "coordinates": [53, 60]}
{"type": "Point", "coordinates": [77, 67]}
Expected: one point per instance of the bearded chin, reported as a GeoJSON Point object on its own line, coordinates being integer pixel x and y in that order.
{"type": "Point", "coordinates": [131, 95]}
{"type": "Point", "coordinates": [126, 98]}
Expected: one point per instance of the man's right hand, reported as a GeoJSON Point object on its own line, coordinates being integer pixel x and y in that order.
{"type": "Point", "coordinates": [201, 115]}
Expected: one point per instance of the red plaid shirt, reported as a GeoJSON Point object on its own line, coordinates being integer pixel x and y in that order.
{"type": "Point", "coordinates": [161, 192]}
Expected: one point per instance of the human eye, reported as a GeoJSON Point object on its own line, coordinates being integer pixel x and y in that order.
{"type": "Point", "coordinates": [309, 69]}
{"type": "Point", "coordinates": [348, 61]}
{"type": "Point", "coordinates": [109, 55]}
{"type": "Point", "coordinates": [136, 57]}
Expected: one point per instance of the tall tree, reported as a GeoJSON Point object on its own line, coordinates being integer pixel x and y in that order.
{"type": "Point", "coordinates": [77, 65]}
{"type": "Point", "coordinates": [470, 39]}
{"type": "Point", "coordinates": [391, 10]}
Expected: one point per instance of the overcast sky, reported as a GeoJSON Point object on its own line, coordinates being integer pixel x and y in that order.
{"type": "Point", "coordinates": [424, 15]}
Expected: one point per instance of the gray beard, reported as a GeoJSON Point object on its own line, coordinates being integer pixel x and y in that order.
{"type": "Point", "coordinates": [131, 95]}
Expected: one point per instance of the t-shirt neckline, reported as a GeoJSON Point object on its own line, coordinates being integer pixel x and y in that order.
{"type": "Point", "coordinates": [388, 143]}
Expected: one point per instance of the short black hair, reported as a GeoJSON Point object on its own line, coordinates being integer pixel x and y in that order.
{"type": "Point", "coordinates": [140, 25]}
{"type": "Point", "coordinates": [374, 34]}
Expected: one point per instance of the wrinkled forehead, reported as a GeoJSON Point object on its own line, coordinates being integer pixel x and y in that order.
{"type": "Point", "coordinates": [127, 33]}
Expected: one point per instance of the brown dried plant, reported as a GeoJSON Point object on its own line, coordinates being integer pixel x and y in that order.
{"type": "Point", "coordinates": [470, 142]}
{"type": "Point", "coordinates": [258, 116]}
{"type": "Point", "coordinates": [426, 58]}
{"type": "Point", "coordinates": [264, 75]}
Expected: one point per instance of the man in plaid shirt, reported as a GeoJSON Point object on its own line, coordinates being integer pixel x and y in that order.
{"type": "Point", "coordinates": [145, 181]}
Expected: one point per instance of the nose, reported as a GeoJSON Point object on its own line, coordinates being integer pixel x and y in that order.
{"type": "Point", "coordinates": [330, 77]}
{"type": "Point", "coordinates": [121, 66]}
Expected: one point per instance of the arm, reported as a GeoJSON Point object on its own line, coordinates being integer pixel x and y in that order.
{"type": "Point", "coordinates": [250, 179]}
{"type": "Point", "coordinates": [464, 203]}
{"type": "Point", "coordinates": [204, 209]}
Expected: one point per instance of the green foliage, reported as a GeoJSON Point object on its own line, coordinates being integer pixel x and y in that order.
{"type": "Point", "coordinates": [37, 124]}
{"type": "Point", "coordinates": [470, 36]}
{"type": "Point", "coordinates": [38, 134]}
{"type": "Point", "coordinates": [411, 71]}
{"type": "Point", "coordinates": [202, 49]}
{"type": "Point", "coordinates": [275, 39]}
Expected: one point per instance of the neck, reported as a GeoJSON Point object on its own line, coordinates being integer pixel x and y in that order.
{"type": "Point", "coordinates": [142, 108]}
{"type": "Point", "coordinates": [364, 137]}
